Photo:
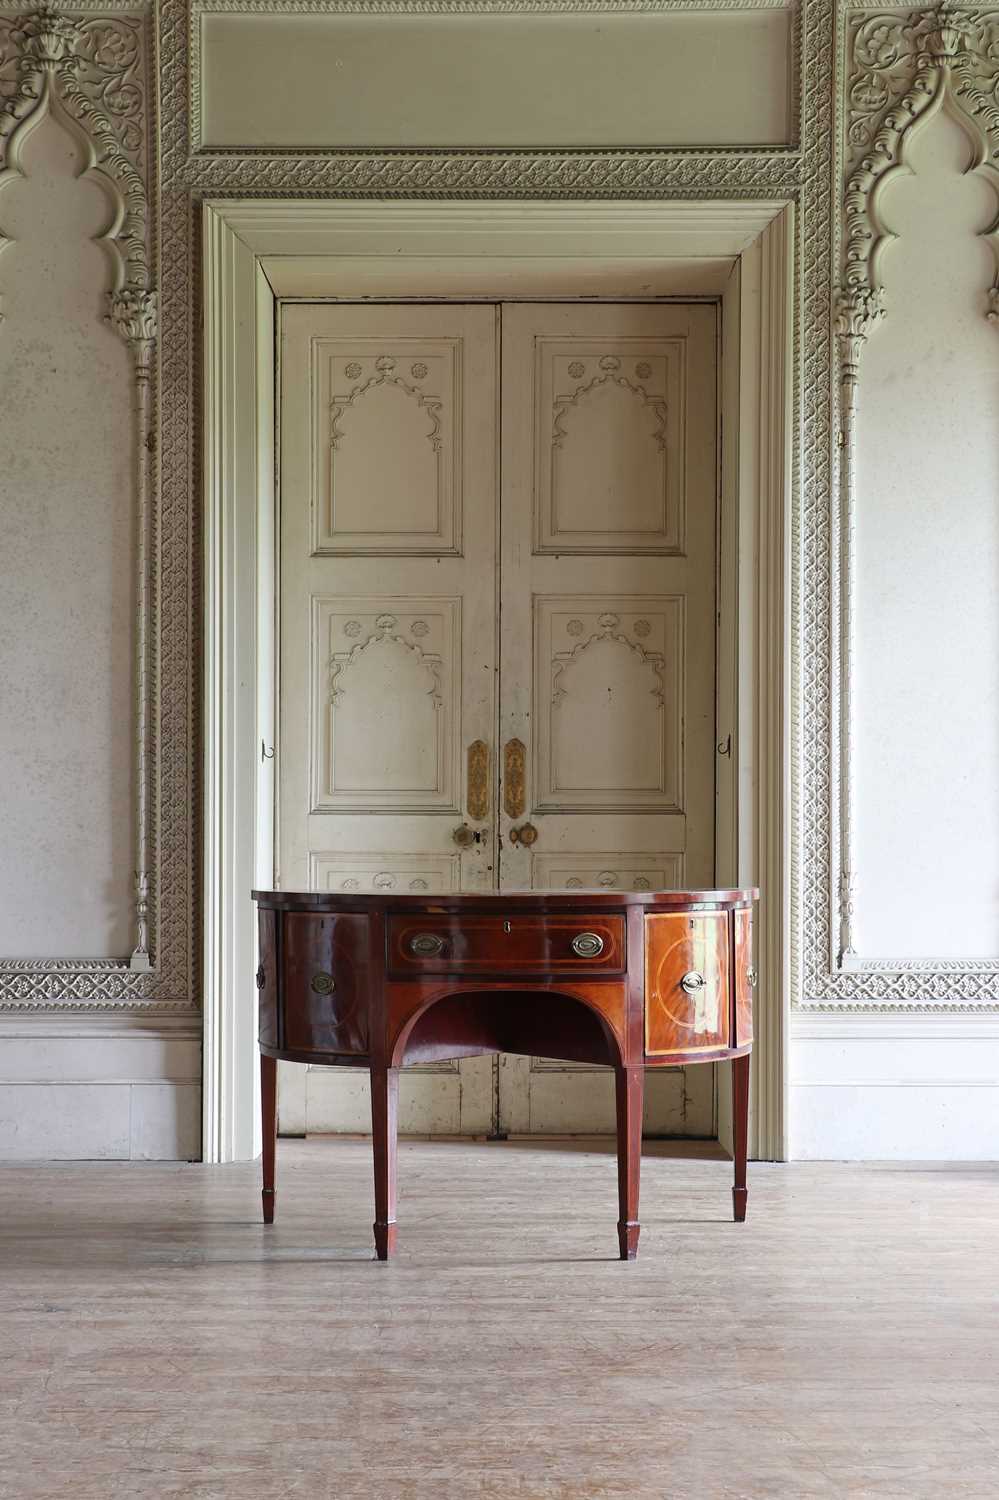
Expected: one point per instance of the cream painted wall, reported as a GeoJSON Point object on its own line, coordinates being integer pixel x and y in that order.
{"type": "Point", "coordinates": [66, 571]}
{"type": "Point", "coordinates": [927, 681]}
{"type": "Point", "coordinates": [928, 544]}
{"type": "Point", "coordinates": [682, 79]}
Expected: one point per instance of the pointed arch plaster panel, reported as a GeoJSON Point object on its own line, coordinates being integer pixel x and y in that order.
{"type": "Point", "coordinates": [89, 73]}
{"type": "Point", "coordinates": [903, 69]}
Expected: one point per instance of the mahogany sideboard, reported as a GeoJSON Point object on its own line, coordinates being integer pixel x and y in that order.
{"type": "Point", "coordinates": [632, 979]}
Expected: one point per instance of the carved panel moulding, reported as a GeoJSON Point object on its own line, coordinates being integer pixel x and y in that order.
{"type": "Point", "coordinates": [902, 68]}
{"type": "Point", "coordinates": [90, 74]}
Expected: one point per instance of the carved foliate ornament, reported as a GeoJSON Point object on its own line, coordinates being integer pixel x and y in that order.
{"type": "Point", "coordinates": [857, 310]}
{"type": "Point", "coordinates": [133, 316]}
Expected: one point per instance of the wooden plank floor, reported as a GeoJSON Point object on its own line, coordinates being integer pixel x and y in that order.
{"type": "Point", "coordinates": [157, 1341]}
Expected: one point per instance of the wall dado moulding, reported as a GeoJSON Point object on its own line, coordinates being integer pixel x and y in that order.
{"type": "Point", "coordinates": [130, 83]}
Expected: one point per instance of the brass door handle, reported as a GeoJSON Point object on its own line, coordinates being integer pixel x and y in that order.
{"type": "Point", "coordinates": [514, 778]}
{"type": "Point", "coordinates": [478, 781]}
{"type": "Point", "coordinates": [526, 834]}
{"type": "Point", "coordinates": [464, 836]}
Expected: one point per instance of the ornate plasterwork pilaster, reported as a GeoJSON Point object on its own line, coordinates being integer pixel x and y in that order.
{"type": "Point", "coordinates": [901, 70]}
{"type": "Point", "coordinates": [89, 73]}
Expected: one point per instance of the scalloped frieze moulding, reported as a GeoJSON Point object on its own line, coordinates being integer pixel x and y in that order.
{"type": "Point", "coordinates": [900, 69]}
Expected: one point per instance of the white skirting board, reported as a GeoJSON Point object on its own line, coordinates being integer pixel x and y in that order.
{"type": "Point", "coordinates": [894, 1087]}
{"type": "Point", "coordinates": [99, 1088]}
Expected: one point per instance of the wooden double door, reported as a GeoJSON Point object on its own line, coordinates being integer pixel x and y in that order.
{"type": "Point", "coordinates": [497, 637]}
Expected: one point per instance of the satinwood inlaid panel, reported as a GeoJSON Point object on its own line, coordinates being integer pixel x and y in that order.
{"type": "Point", "coordinates": [745, 975]}
{"type": "Point", "coordinates": [387, 421]}
{"type": "Point", "coordinates": [488, 945]}
{"type": "Point", "coordinates": [609, 703]}
{"type": "Point", "coordinates": [326, 986]}
{"type": "Point", "coordinates": [691, 947]}
{"type": "Point", "coordinates": [609, 445]}
{"type": "Point", "coordinates": [379, 664]}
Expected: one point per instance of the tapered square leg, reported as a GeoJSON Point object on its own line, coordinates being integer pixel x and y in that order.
{"type": "Point", "coordinates": [268, 1113]}
{"type": "Point", "coordinates": [630, 1088]}
{"type": "Point", "coordinates": [384, 1132]}
{"type": "Point", "coordinates": [740, 1122]}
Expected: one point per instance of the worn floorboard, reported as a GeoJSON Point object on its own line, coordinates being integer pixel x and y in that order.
{"type": "Point", "coordinates": [158, 1341]}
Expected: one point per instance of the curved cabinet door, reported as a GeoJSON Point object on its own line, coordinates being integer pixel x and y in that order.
{"type": "Point", "coordinates": [745, 976]}
{"type": "Point", "coordinates": [687, 982]}
{"type": "Point", "coordinates": [325, 961]}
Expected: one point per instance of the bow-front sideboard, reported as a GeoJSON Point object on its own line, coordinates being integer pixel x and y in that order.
{"type": "Point", "coordinates": [633, 980]}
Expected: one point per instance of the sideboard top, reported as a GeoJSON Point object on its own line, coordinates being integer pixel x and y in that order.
{"type": "Point", "coordinates": [598, 898]}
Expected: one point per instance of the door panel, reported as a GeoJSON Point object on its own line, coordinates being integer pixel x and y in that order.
{"type": "Point", "coordinates": [607, 664]}
{"type": "Point", "coordinates": [388, 630]}
{"type": "Point", "coordinates": [413, 751]}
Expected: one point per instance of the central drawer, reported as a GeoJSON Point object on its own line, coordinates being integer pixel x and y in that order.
{"type": "Point", "coordinates": [457, 944]}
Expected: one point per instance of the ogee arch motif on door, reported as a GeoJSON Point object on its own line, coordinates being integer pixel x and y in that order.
{"type": "Point", "coordinates": [609, 703]}
{"type": "Point", "coordinates": [379, 663]}
{"type": "Point", "coordinates": [387, 446]}
{"type": "Point", "coordinates": [609, 446]}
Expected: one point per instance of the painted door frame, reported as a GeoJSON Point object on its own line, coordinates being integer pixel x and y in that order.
{"type": "Point", "coordinates": [257, 251]}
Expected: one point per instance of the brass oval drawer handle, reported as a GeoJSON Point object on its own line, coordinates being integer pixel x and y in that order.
{"type": "Point", "coordinates": [751, 976]}
{"type": "Point", "coordinates": [426, 945]}
{"type": "Point", "coordinates": [587, 945]}
{"type": "Point", "coordinates": [692, 982]}
{"type": "Point", "coordinates": [322, 983]}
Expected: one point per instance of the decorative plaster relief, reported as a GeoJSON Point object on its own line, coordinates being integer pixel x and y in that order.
{"type": "Point", "coordinates": [902, 70]}
{"type": "Point", "coordinates": [90, 74]}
